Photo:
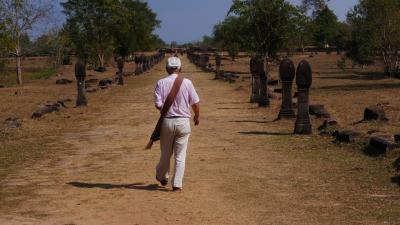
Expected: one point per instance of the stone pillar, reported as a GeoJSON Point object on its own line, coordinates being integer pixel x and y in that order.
{"type": "Point", "coordinates": [218, 60]}
{"type": "Point", "coordinates": [263, 101]}
{"type": "Point", "coordinates": [120, 63]}
{"type": "Point", "coordinates": [255, 81]}
{"type": "Point", "coordinates": [80, 74]}
{"type": "Point", "coordinates": [137, 60]}
{"type": "Point", "coordinates": [286, 73]}
{"type": "Point", "coordinates": [303, 81]}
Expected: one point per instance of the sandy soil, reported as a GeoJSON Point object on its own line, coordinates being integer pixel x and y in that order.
{"type": "Point", "coordinates": [242, 167]}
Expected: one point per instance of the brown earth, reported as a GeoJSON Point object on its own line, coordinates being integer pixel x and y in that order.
{"type": "Point", "coordinates": [88, 166]}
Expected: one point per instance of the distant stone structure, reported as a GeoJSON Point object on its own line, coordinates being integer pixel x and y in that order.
{"type": "Point", "coordinates": [255, 80]}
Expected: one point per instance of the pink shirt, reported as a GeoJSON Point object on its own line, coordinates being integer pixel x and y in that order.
{"type": "Point", "coordinates": [185, 98]}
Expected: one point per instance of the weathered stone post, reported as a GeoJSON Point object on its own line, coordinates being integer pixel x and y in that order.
{"type": "Point", "coordinates": [255, 81]}
{"type": "Point", "coordinates": [287, 73]}
{"type": "Point", "coordinates": [218, 60]}
{"type": "Point", "coordinates": [120, 63]}
{"type": "Point", "coordinates": [137, 61]}
{"type": "Point", "coordinates": [80, 74]}
{"type": "Point", "coordinates": [263, 101]}
{"type": "Point", "coordinates": [303, 81]}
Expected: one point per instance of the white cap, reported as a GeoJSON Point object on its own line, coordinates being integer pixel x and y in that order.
{"type": "Point", "coordinates": [174, 62]}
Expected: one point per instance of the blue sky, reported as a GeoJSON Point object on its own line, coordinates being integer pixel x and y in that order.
{"type": "Point", "coordinates": [188, 20]}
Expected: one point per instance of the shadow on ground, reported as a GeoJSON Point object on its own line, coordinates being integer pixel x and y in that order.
{"type": "Point", "coordinates": [360, 87]}
{"type": "Point", "coordinates": [134, 186]}
{"type": "Point", "coordinates": [251, 121]}
{"type": "Point", "coordinates": [355, 76]}
{"type": "Point", "coordinates": [265, 133]}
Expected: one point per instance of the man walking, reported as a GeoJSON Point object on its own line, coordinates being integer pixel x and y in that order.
{"type": "Point", "coordinates": [175, 128]}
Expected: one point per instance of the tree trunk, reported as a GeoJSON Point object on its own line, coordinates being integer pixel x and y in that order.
{"type": "Point", "coordinates": [100, 54]}
{"type": "Point", "coordinates": [18, 62]}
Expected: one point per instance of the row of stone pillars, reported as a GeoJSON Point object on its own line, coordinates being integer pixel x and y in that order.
{"type": "Point", "coordinates": [202, 61]}
{"type": "Point", "coordinates": [287, 73]}
{"type": "Point", "coordinates": [143, 63]}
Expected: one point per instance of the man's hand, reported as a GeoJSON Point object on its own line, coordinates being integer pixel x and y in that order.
{"type": "Point", "coordinates": [196, 121]}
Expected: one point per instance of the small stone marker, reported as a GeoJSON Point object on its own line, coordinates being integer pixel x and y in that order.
{"type": "Point", "coordinates": [120, 63]}
{"type": "Point", "coordinates": [80, 74]}
{"type": "Point", "coordinates": [287, 73]}
{"type": "Point", "coordinates": [255, 81]}
{"type": "Point", "coordinates": [218, 60]}
{"type": "Point", "coordinates": [263, 101]}
{"type": "Point", "coordinates": [303, 81]}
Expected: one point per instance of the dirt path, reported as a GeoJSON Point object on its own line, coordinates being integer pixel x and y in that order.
{"type": "Point", "coordinates": [242, 168]}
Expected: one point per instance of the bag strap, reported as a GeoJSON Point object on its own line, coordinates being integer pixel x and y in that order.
{"type": "Point", "coordinates": [172, 95]}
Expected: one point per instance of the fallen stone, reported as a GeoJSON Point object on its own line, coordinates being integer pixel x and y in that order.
{"type": "Point", "coordinates": [62, 103]}
{"type": "Point", "coordinates": [396, 164]}
{"type": "Point", "coordinates": [101, 69]}
{"type": "Point", "coordinates": [49, 108]}
{"type": "Point", "coordinates": [347, 136]}
{"type": "Point", "coordinates": [106, 82]}
{"type": "Point", "coordinates": [273, 82]}
{"type": "Point", "coordinates": [329, 123]}
{"type": "Point", "coordinates": [91, 90]}
{"type": "Point", "coordinates": [329, 128]}
{"type": "Point", "coordinates": [319, 111]}
{"type": "Point", "coordinates": [63, 81]}
{"type": "Point", "coordinates": [379, 146]}
{"type": "Point", "coordinates": [92, 81]}
{"type": "Point", "coordinates": [375, 113]}
{"type": "Point", "coordinates": [13, 122]}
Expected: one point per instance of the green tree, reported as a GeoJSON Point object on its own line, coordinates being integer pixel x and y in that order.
{"type": "Point", "coordinates": [325, 27]}
{"type": "Point", "coordinates": [228, 35]}
{"type": "Point", "coordinates": [5, 44]}
{"type": "Point", "coordinates": [269, 25]}
{"type": "Point", "coordinates": [375, 28]}
{"type": "Point", "coordinates": [315, 5]}
{"type": "Point", "coordinates": [89, 25]}
{"type": "Point", "coordinates": [19, 16]}
{"type": "Point", "coordinates": [303, 32]}
{"type": "Point", "coordinates": [134, 23]}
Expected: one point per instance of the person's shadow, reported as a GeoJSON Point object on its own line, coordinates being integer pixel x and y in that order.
{"type": "Point", "coordinates": [134, 186]}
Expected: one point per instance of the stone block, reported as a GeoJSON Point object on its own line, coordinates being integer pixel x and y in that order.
{"type": "Point", "coordinates": [347, 136]}
{"type": "Point", "coordinates": [375, 113]}
{"type": "Point", "coordinates": [63, 81]}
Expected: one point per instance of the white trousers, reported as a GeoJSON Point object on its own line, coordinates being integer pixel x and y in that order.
{"type": "Point", "coordinates": [174, 140]}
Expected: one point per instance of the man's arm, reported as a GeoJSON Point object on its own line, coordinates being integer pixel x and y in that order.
{"type": "Point", "coordinates": [196, 109]}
